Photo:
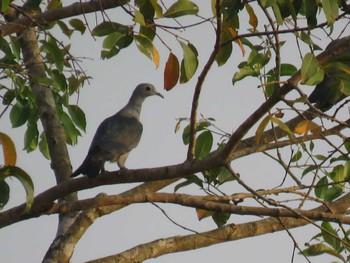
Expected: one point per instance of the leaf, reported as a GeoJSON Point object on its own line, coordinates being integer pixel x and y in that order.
{"type": "Point", "coordinates": [311, 8]}
{"type": "Point", "coordinates": [43, 147]}
{"type": "Point", "coordinates": [189, 63]}
{"type": "Point", "coordinates": [145, 45]}
{"type": "Point", "coordinates": [221, 219]}
{"type": "Point", "coordinates": [9, 149]}
{"type": "Point", "coordinates": [24, 178]}
{"type": "Point", "coordinates": [171, 72]}
{"type": "Point", "coordinates": [19, 114]}
{"type": "Point", "coordinates": [181, 8]}
{"type": "Point", "coordinates": [330, 235]}
{"type": "Point", "coordinates": [31, 136]}
{"type": "Point", "coordinates": [78, 25]}
{"type": "Point", "coordinates": [71, 132]}
{"type": "Point", "coordinates": [253, 20]}
{"type": "Point", "coordinates": [106, 28]}
{"type": "Point", "coordinates": [297, 156]}
{"type": "Point", "coordinates": [5, 5]}
{"type": "Point", "coordinates": [288, 69]}
{"type": "Point", "coordinates": [64, 28]}
{"type": "Point", "coordinates": [201, 213]}
{"type": "Point", "coordinates": [204, 143]}
{"type": "Point", "coordinates": [311, 73]}
{"type": "Point", "coordinates": [190, 179]}
{"type": "Point", "coordinates": [261, 128]}
{"type": "Point", "coordinates": [4, 194]}
{"type": "Point", "coordinates": [56, 54]}
{"type": "Point", "coordinates": [245, 72]}
{"type": "Point", "coordinates": [319, 249]}
{"type": "Point", "coordinates": [278, 15]}
{"type": "Point", "coordinates": [305, 126]}
{"type": "Point", "coordinates": [138, 18]}
{"type": "Point", "coordinates": [331, 10]}
{"type": "Point", "coordinates": [283, 126]}
{"type": "Point", "coordinates": [78, 116]}
{"type": "Point", "coordinates": [157, 8]}
{"type": "Point", "coordinates": [309, 169]}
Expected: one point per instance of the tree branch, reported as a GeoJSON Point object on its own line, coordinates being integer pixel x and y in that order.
{"type": "Point", "coordinates": [58, 14]}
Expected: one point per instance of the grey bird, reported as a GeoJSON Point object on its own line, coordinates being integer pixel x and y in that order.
{"type": "Point", "coordinates": [117, 135]}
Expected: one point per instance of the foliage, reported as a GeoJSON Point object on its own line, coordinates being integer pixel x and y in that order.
{"type": "Point", "coordinates": [313, 174]}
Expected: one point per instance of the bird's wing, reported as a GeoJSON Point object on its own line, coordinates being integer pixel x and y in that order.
{"type": "Point", "coordinates": [115, 136]}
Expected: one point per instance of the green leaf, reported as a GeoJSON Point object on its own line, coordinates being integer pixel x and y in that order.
{"type": "Point", "coordinates": [321, 187]}
{"type": "Point", "coordinates": [288, 69]}
{"type": "Point", "coordinates": [319, 249]}
{"type": "Point", "coordinates": [204, 143]}
{"type": "Point", "coordinates": [331, 10]}
{"type": "Point", "coordinates": [138, 18]}
{"type": "Point", "coordinates": [71, 132]}
{"type": "Point", "coordinates": [111, 40]}
{"type": "Point", "coordinates": [5, 5]}
{"type": "Point", "coordinates": [225, 51]}
{"type": "Point", "coordinates": [19, 114]}
{"type": "Point", "coordinates": [277, 12]}
{"type": "Point", "coordinates": [78, 116]}
{"type": "Point", "coordinates": [64, 28]}
{"type": "Point", "coordinates": [24, 178]}
{"type": "Point", "coordinates": [190, 179]}
{"type": "Point", "coordinates": [186, 135]}
{"type": "Point", "coordinates": [181, 8]}
{"type": "Point", "coordinates": [189, 63]}
{"type": "Point", "coordinates": [157, 8]}
{"type": "Point", "coordinates": [311, 12]}
{"type": "Point", "coordinates": [311, 73]}
{"type": "Point", "coordinates": [221, 219]}
{"type": "Point", "coordinates": [224, 175]}
{"type": "Point", "coordinates": [4, 193]}
{"type": "Point", "coordinates": [57, 55]}
{"type": "Point", "coordinates": [267, 3]}
{"type": "Point", "coordinates": [106, 28]}
{"type": "Point", "coordinates": [309, 169]}
{"type": "Point", "coordinates": [31, 136]}
{"type": "Point", "coordinates": [43, 147]}
{"type": "Point", "coordinates": [329, 235]}
{"type": "Point", "coordinates": [297, 156]}
{"type": "Point", "coordinates": [78, 25]}
{"type": "Point", "coordinates": [145, 45]}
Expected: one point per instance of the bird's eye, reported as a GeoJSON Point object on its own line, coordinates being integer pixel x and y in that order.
{"type": "Point", "coordinates": [148, 88]}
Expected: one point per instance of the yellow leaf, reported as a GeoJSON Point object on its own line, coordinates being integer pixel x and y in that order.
{"type": "Point", "coordinates": [155, 56]}
{"type": "Point", "coordinates": [9, 149]}
{"type": "Point", "coordinates": [305, 126]}
{"type": "Point", "coordinates": [253, 20]}
{"type": "Point", "coordinates": [234, 33]}
{"type": "Point", "coordinates": [283, 126]}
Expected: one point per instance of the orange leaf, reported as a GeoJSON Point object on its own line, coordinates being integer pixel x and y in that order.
{"type": "Point", "coordinates": [201, 213]}
{"type": "Point", "coordinates": [305, 126]}
{"type": "Point", "coordinates": [9, 149]}
{"type": "Point", "coordinates": [234, 33]}
{"type": "Point", "coordinates": [171, 72]}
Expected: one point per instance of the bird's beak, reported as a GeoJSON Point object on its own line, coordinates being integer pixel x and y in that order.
{"type": "Point", "coordinates": [160, 95]}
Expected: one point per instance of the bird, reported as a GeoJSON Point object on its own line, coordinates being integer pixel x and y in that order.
{"type": "Point", "coordinates": [117, 135]}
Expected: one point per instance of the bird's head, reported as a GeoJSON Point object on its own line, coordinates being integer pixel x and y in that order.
{"type": "Point", "coordinates": [145, 90]}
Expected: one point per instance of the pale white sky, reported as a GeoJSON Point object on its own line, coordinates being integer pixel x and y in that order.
{"type": "Point", "coordinates": [112, 83]}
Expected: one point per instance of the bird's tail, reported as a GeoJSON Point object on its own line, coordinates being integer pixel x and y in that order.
{"type": "Point", "coordinates": [89, 168]}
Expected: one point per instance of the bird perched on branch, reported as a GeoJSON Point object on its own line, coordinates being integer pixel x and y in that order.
{"type": "Point", "coordinates": [117, 135]}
